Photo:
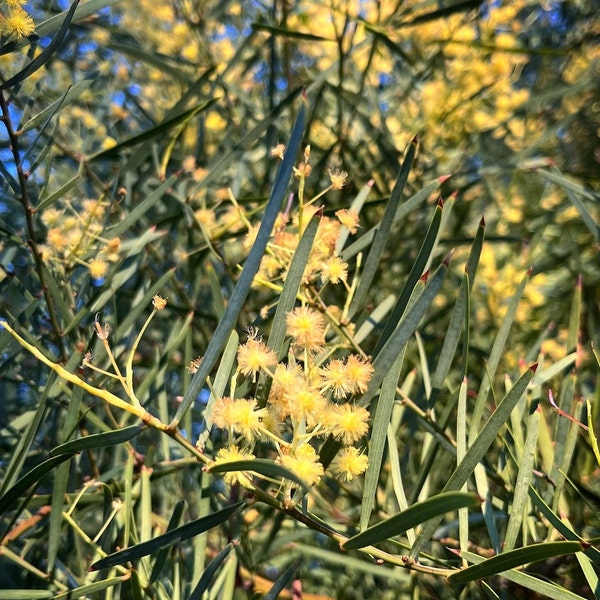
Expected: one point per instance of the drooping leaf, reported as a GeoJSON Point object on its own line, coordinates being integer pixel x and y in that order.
{"type": "Point", "coordinates": [166, 540]}
{"type": "Point", "coordinates": [516, 558]}
{"type": "Point", "coordinates": [262, 466]}
{"type": "Point", "coordinates": [31, 478]}
{"type": "Point", "coordinates": [411, 517]}
{"type": "Point", "coordinates": [99, 440]}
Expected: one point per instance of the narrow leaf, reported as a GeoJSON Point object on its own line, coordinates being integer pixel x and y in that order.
{"type": "Point", "coordinates": [545, 589]}
{"type": "Point", "coordinates": [99, 440]}
{"type": "Point", "coordinates": [14, 494]}
{"type": "Point", "coordinates": [210, 571]}
{"type": "Point", "coordinates": [134, 215]}
{"type": "Point", "coordinates": [90, 588]}
{"type": "Point", "coordinates": [423, 258]}
{"type": "Point", "coordinates": [477, 449]}
{"type": "Point", "coordinates": [168, 539]}
{"type": "Point", "coordinates": [398, 339]}
{"type": "Point", "coordinates": [524, 477]}
{"type": "Point", "coordinates": [153, 132]}
{"type": "Point", "coordinates": [262, 466]}
{"type": "Point", "coordinates": [457, 318]}
{"type": "Point", "coordinates": [381, 237]}
{"type": "Point", "coordinates": [242, 288]}
{"type": "Point", "coordinates": [69, 96]}
{"type": "Point", "coordinates": [411, 517]}
{"type": "Point", "coordinates": [515, 558]}
{"type": "Point", "coordinates": [291, 286]}
{"type": "Point", "coordinates": [281, 582]}
{"type": "Point", "coordinates": [163, 554]}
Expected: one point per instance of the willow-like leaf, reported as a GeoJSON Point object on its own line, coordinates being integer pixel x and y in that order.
{"type": "Point", "coordinates": [261, 466]}
{"type": "Point", "coordinates": [404, 209]}
{"type": "Point", "coordinates": [152, 133]}
{"type": "Point", "coordinates": [291, 286]}
{"type": "Point", "coordinates": [31, 478]}
{"type": "Point", "coordinates": [457, 318]}
{"type": "Point", "coordinates": [168, 539]}
{"type": "Point", "coordinates": [381, 421]}
{"type": "Point", "coordinates": [251, 265]}
{"type": "Point", "coordinates": [411, 517]}
{"type": "Point", "coordinates": [281, 582]}
{"type": "Point", "coordinates": [477, 450]}
{"type": "Point", "coordinates": [419, 265]}
{"type": "Point", "coordinates": [515, 558]}
{"type": "Point", "coordinates": [524, 477]}
{"type": "Point", "coordinates": [545, 589]}
{"type": "Point", "coordinates": [494, 358]}
{"type": "Point", "coordinates": [382, 235]}
{"type": "Point", "coordinates": [55, 107]}
{"type": "Point", "coordinates": [210, 571]}
{"type": "Point", "coordinates": [163, 555]}
{"type": "Point", "coordinates": [403, 332]}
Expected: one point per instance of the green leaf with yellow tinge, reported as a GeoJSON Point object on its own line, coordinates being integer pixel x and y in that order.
{"type": "Point", "coordinates": [411, 517]}
{"type": "Point", "coordinates": [516, 558]}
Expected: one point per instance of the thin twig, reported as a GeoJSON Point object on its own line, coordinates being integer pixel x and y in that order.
{"type": "Point", "coordinates": [29, 210]}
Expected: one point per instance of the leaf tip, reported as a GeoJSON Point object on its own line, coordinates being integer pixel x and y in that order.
{"type": "Point", "coordinates": [443, 178]}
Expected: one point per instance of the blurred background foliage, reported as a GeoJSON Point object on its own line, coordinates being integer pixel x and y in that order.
{"type": "Point", "coordinates": [147, 137]}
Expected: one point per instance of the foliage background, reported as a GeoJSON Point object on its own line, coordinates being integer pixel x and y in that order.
{"type": "Point", "coordinates": [122, 202]}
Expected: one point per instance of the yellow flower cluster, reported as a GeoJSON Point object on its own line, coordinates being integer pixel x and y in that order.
{"type": "Point", "coordinates": [74, 237]}
{"type": "Point", "coordinates": [324, 265]}
{"type": "Point", "coordinates": [302, 400]}
{"type": "Point", "coordinates": [306, 403]}
{"type": "Point", "coordinates": [15, 23]}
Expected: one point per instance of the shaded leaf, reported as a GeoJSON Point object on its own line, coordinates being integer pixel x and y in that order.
{"type": "Point", "coordinates": [166, 540]}
{"type": "Point", "coordinates": [152, 133]}
{"type": "Point", "coordinates": [281, 582]}
{"type": "Point", "coordinates": [13, 495]}
{"type": "Point", "coordinates": [69, 96]}
{"type": "Point", "coordinates": [163, 554]}
{"type": "Point", "coordinates": [99, 440]}
{"type": "Point", "coordinates": [210, 571]}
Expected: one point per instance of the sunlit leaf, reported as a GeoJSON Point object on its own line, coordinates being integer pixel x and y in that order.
{"type": "Point", "coordinates": [515, 558]}
{"type": "Point", "coordinates": [411, 517]}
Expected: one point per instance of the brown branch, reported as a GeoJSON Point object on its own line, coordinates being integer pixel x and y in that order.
{"type": "Point", "coordinates": [29, 211]}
